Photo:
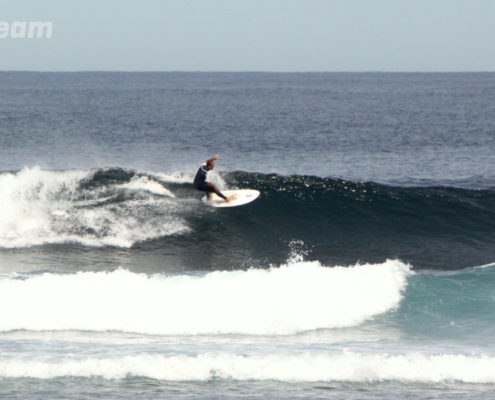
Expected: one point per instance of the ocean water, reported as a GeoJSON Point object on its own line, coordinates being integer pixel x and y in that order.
{"type": "Point", "coordinates": [366, 269]}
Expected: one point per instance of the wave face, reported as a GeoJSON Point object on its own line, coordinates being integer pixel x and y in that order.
{"type": "Point", "coordinates": [158, 216]}
{"type": "Point", "coordinates": [450, 307]}
{"type": "Point", "coordinates": [428, 227]}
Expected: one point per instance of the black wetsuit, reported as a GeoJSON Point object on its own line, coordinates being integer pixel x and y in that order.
{"type": "Point", "coordinates": [200, 181]}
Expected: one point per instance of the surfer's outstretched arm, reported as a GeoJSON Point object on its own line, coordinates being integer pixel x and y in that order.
{"type": "Point", "coordinates": [214, 158]}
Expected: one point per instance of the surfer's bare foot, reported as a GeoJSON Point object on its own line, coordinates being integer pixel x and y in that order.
{"type": "Point", "coordinates": [230, 198]}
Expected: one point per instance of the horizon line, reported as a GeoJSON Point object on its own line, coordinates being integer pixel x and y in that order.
{"type": "Point", "coordinates": [248, 71]}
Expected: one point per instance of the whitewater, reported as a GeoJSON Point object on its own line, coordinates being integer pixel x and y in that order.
{"type": "Point", "coordinates": [365, 269]}
{"type": "Point", "coordinates": [297, 323]}
{"type": "Point", "coordinates": [283, 300]}
{"type": "Point", "coordinates": [44, 206]}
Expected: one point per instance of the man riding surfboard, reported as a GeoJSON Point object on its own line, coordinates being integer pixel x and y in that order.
{"type": "Point", "coordinates": [201, 181]}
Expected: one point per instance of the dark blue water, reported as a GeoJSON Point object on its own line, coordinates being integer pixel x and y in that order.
{"type": "Point", "coordinates": [120, 282]}
{"type": "Point", "coordinates": [387, 128]}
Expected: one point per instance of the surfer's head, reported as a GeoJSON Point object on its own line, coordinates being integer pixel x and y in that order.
{"type": "Point", "coordinates": [210, 165]}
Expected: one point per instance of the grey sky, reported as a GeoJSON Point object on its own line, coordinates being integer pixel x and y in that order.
{"type": "Point", "coordinates": [253, 35]}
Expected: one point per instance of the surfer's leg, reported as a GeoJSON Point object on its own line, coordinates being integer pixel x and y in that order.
{"type": "Point", "coordinates": [227, 199]}
{"type": "Point", "coordinates": [219, 194]}
{"type": "Point", "coordinates": [205, 188]}
{"type": "Point", "coordinates": [209, 190]}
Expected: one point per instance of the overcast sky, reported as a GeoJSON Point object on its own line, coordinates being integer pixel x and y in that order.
{"type": "Point", "coordinates": [252, 35]}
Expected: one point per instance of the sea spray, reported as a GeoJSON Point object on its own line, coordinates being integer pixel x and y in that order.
{"type": "Point", "coordinates": [91, 207]}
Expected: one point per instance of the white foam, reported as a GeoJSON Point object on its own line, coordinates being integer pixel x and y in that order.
{"type": "Point", "coordinates": [175, 177]}
{"type": "Point", "coordinates": [217, 180]}
{"type": "Point", "coordinates": [145, 184]}
{"type": "Point", "coordinates": [38, 207]}
{"type": "Point", "coordinates": [293, 298]}
{"type": "Point", "coordinates": [343, 367]}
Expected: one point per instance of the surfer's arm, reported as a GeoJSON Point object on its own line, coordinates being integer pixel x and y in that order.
{"type": "Point", "coordinates": [215, 157]}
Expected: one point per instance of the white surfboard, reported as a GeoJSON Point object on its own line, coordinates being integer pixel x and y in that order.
{"type": "Point", "coordinates": [241, 197]}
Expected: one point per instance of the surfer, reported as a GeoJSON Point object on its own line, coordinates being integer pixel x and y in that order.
{"type": "Point", "coordinates": [201, 180]}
